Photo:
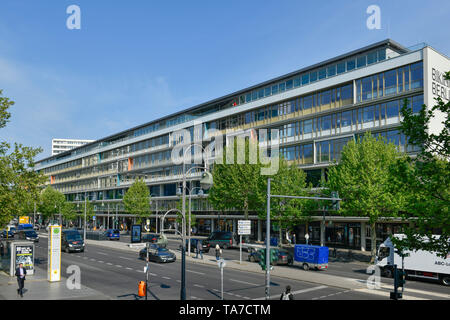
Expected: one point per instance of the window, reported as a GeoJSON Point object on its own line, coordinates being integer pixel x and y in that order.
{"type": "Point", "coordinates": [326, 123]}
{"type": "Point", "coordinates": [346, 119]}
{"type": "Point", "coordinates": [390, 82]}
{"type": "Point", "coordinates": [297, 82]}
{"type": "Point", "coordinates": [361, 62]}
{"type": "Point", "coordinates": [417, 103]}
{"type": "Point", "coordinates": [282, 87]}
{"type": "Point", "coordinates": [346, 94]}
{"type": "Point", "coordinates": [254, 95]}
{"type": "Point", "coordinates": [372, 57]}
{"type": "Point", "coordinates": [308, 102]}
{"type": "Point", "coordinates": [392, 109]}
{"type": "Point", "coordinates": [325, 151]}
{"type": "Point", "coordinates": [305, 79]}
{"type": "Point", "coordinates": [417, 75]}
{"type": "Point", "coordinates": [308, 153]}
{"type": "Point", "coordinates": [289, 84]}
{"type": "Point", "coordinates": [322, 73]}
{"type": "Point", "coordinates": [366, 88]}
{"type": "Point", "coordinates": [307, 126]}
{"type": "Point", "coordinates": [341, 68]}
{"type": "Point", "coordinates": [381, 54]}
{"type": "Point", "coordinates": [267, 91]}
{"type": "Point", "coordinates": [351, 65]}
{"type": "Point", "coordinates": [260, 93]}
{"type": "Point", "coordinates": [275, 89]}
{"type": "Point", "coordinates": [331, 71]}
{"type": "Point", "coordinates": [313, 76]}
{"type": "Point", "coordinates": [368, 114]}
{"type": "Point", "coordinates": [325, 98]}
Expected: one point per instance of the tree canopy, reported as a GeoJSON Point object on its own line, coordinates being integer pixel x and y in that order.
{"type": "Point", "coordinates": [137, 200]}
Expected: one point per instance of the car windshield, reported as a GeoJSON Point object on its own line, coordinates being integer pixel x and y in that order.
{"type": "Point", "coordinates": [73, 237]}
{"type": "Point", "coordinates": [162, 250]}
{"type": "Point", "coordinates": [383, 253]}
{"type": "Point", "coordinates": [30, 233]}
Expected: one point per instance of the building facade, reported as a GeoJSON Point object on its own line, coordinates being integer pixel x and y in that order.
{"type": "Point", "coordinates": [62, 145]}
{"type": "Point", "coordinates": [317, 110]}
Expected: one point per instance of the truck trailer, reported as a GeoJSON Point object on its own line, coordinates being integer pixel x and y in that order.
{"type": "Point", "coordinates": [417, 264]}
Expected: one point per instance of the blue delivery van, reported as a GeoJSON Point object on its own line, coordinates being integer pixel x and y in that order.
{"type": "Point", "coordinates": [311, 256]}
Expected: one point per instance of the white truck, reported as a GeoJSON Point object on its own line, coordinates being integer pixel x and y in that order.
{"type": "Point", "coordinates": [417, 264]}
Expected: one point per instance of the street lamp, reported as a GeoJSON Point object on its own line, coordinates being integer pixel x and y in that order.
{"type": "Point", "coordinates": [156, 202]}
{"type": "Point", "coordinates": [206, 183]}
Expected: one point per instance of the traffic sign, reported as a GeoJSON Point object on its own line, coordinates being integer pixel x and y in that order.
{"type": "Point", "coordinates": [244, 227]}
{"type": "Point", "coordinates": [221, 263]}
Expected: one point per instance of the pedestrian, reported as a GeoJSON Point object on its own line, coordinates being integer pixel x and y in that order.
{"type": "Point", "coordinates": [287, 295]}
{"type": "Point", "coordinates": [199, 249]}
{"type": "Point", "coordinates": [21, 272]}
{"type": "Point", "coordinates": [294, 239]}
{"type": "Point", "coordinates": [218, 252]}
{"type": "Point", "coordinates": [306, 237]}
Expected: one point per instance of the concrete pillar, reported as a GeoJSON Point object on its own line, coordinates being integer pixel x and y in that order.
{"type": "Point", "coordinates": [234, 226]}
{"type": "Point", "coordinates": [322, 233]}
{"type": "Point", "coordinates": [212, 225]}
{"type": "Point", "coordinates": [363, 236]}
{"type": "Point", "coordinates": [259, 230]}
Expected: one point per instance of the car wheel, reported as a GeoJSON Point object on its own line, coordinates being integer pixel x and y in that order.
{"type": "Point", "coordinates": [388, 273]}
{"type": "Point", "coordinates": [445, 280]}
{"type": "Point", "coordinates": [67, 250]}
{"type": "Point", "coordinates": [305, 267]}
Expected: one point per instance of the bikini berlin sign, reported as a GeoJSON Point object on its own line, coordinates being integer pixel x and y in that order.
{"type": "Point", "coordinates": [54, 254]}
{"type": "Point", "coordinates": [244, 227]}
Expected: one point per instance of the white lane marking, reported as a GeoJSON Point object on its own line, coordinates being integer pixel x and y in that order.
{"type": "Point", "coordinates": [92, 259]}
{"type": "Point", "coordinates": [167, 278]}
{"type": "Point", "coordinates": [128, 268]}
{"type": "Point", "coordinates": [140, 271]}
{"type": "Point", "coordinates": [126, 258]}
{"type": "Point", "coordinates": [118, 266]}
{"type": "Point", "coordinates": [179, 281]}
{"type": "Point", "coordinates": [198, 285]}
{"type": "Point", "coordinates": [100, 261]}
{"type": "Point", "coordinates": [153, 274]}
{"type": "Point", "coordinates": [296, 292]}
{"type": "Point", "coordinates": [109, 263]}
{"type": "Point", "coordinates": [247, 298]}
{"type": "Point", "coordinates": [252, 284]}
{"type": "Point", "coordinates": [196, 272]}
{"type": "Point", "coordinates": [238, 296]}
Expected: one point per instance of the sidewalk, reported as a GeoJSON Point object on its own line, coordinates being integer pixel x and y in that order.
{"type": "Point", "coordinates": [38, 288]}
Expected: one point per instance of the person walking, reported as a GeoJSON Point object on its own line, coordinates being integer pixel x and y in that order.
{"type": "Point", "coordinates": [199, 249]}
{"type": "Point", "coordinates": [294, 239]}
{"type": "Point", "coordinates": [21, 272]}
{"type": "Point", "coordinates": [306, 237]}
{"type": "Point", "coordinates": [218, 252]}
{"type": "Point", "coordinates": [287, 295]}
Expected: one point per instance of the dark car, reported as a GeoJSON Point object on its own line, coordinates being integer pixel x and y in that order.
{"type": "Point", "coordinates": [29, 235]}
{"type": "Point", "coordinates": [205, 245]}
{"type": "Point", "coordinates": [150, 237]}
{"type": "Point", "coordinates": [224, 239]}
{"type": "Point", "coordinates": [112, 234]}
{"type": "Point", "coordinates": [7, 234]}
{"type": "Point", "coordinates": [158, 254]}
{"type": "Point", "coordinates": [284, 257]}
{"type": "Point", "coordinates": [72, 241]}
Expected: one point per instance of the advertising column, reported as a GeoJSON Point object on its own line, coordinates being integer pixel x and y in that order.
{"type": "Point", "coordinates": [54, 253]}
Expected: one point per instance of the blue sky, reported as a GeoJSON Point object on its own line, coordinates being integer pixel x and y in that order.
{"type": "Point", "coordinates": [134, 61]}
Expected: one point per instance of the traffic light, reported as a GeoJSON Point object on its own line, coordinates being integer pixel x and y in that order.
{"type": "Point", "coordinates": [399, 281]}
{"type": "Point", "coordinates": [401, 278]}
{"type": "Point", "coordinates": [273, 256]}
{"type": "Point", "coordinates": [262, 258]}
{"type": "Point", "coordinates": [335, 203]}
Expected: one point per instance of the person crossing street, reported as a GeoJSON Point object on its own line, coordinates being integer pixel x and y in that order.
{"type": "Point", "coordinates": [21, 272]}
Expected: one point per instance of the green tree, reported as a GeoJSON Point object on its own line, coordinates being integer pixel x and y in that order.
{"type": "Point", "coordinates": [238, 186]}
{"type": "Point", "coordinates": [68, 211]}
{"type": "Point", "coordinates": [362, 178]}
{"type": "Point", "coordinates": [427, 178]}
{"type": "Point", "coordinates": [51, 204]}
{"type": "Point", "coordinates": [137, 200]}
{"type": "Point", "coordinates": [19, 183]}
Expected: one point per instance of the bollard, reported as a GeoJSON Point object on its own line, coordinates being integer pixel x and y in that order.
{"type": "Point", "coordinates": [142, 289]}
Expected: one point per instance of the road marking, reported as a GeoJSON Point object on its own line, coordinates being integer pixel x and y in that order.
{"type": "Point", "coordinates": [179, 281]}
{"type": "Point", "coordinates": [153, 274]}
{"type": "Point", "coordinates": [140, 271]}
{"type": "Point", "coordinates": [100, 261]}
{"type": "Point", "coordinates": [196, 272]}
{"type": "Point", "coordinates": [128, 268]}
{"type": "Point", "coordinates": [238, 296]}
{"type": "Point", "coordinates": [167, 278]}
{"type": "Point", "coordinates": [126, 258]}
{"type": "Point", "coordinates": [386, 294]}
{"type": "Point", "coordinates": [109, 263]}
{"type": "Point", "coordinates": [215, 290]}
{"type": "Point", "coordinates": [296, 292]}
{"type": "Point", "coordinates": [92, 259]}
{"type": "Point", "coordinates": [118, 266]}
{"type": "Point", "coordinates": [252, 284]}
{"type": "Point", "coordinates": [247, 298]}
{"type": "Point", "coordinates": [85, 258]}
{"type": "Point", "coordinates": [198, 285]}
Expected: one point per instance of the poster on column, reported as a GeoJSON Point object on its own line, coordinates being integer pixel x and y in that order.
{"type": "Point", "coordinates": [54, 253]}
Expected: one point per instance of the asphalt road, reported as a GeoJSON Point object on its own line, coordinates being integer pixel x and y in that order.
{"type": "Point", "coordinates": [116, 273]}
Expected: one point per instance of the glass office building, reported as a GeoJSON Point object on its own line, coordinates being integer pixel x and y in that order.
{"type": "Point", "coordinates": [317, 110]}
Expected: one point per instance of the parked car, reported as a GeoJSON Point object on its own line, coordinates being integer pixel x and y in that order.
{"type": "Point", "coordinates": [7, 234]}
{"type": "Point", "coordinates": [150, 237]}
{"type": "Point", "coordinates": [158, 254]}
{"type": "Point", "coordinates": [205, 246]}
{"type": "Point", "coordinates": [112, 234]}
{"type": "Point", "coordinates": [25, 227]}
{"type": "Point", "coordinates": [12, 229]}
{"type": "Point", "coordinates": [284, 257]}
{"type": "Point", "coordinates": [72, 241]}
{"type": "Point", "coordinates": [28, 234]}
{"type": "Point", "coordinates": [224, 239]}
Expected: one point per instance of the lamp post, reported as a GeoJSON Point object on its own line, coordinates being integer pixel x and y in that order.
{"type": "Point", "coordinates": [156, 202]}
{"type": "Point", "coordinates": [206, 182]}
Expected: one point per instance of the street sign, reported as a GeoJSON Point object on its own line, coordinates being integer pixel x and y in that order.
{"type": "Point", "coordinates": [221, 263]}
{"type": "Point", "coordinates": [24, 220]}
{"type": "Point", "coordinates": [244, 227]}
{"type": "Point", "coordinates": [54, 253]}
